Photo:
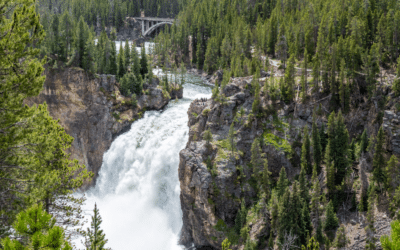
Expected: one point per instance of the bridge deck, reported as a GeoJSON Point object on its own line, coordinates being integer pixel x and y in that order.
{"type": "Point", "coordinates": [155, 19]}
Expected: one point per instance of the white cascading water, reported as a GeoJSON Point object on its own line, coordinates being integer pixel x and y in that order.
{"type": "Point", "coordinates": [137, 191]}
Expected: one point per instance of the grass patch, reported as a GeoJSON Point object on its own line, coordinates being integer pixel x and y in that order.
{"type": "Point", "coordinates": [277, 142]}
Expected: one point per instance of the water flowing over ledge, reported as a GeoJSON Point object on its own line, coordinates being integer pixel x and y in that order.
{"type": "Point", "coordinates": [138, 187]}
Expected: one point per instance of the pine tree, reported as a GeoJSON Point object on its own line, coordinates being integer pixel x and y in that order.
{"type": "Point", "coordinates": [67, 36]}
{"type": "Point", "coordinates": [208, 137]}
{"type": "Point", "coordinates": [344, 102]}
{"type": "Point", "coordinates": [370, 229]}
{"type": "Point", "coordinates": [316, 144]}
{"type": "Point", "coordinates": [378, 163]}
{"type": "Point", "coordinates": [392, 242]}
{"type": "Point", "coordinates": [341, 239]}
{"type": "Point", "coordinates": [303, 81]}
{"type": "Point", "coordinates": [95, 237]}
{"type": "Point", "coordinates": [127, 54]}
{"type": "Point", "coordinates": [393, 173]}
{"type": "Point", "coordinates": [256, 157]}
{"type": "Point", "coordinates": [113, 67]}
{"type": "Point", "coordinates": [135, 61]}
{"type": "Point", "coordinates": [288, 88]}
{"type": "Point", "coordinates": [352, 148]}
{"type": "Point", "coordinates": [364, 142]}
{"type": "Point", "coordinates": [315, 198]}
{"type": "Point", "coordinates": [82, 37]}
{"type": "Point", "coordinates": [318, 234]}
{"type": "Point", "coordinates": [34, 165]}
{"type": "Point", "coordinates": [331, 221]}
{"type": "Point", "coordinates": [305, 152]}
{"type": "Point", "coordinates": [55, 33]}
{"type": "Point", "coordinates": [266, 180]}
{"type": "Point", "coordinates": [307, 220]}
{"type": "Point", "coordinates": [226, 244]}
{"type": "Point", "coordinates": [231, 138]}
{"type": "Point", "coordinates": [143, 63]}
{"type": "Point", "coordinates": [323, 139]}
{"type": "Point", "coordinates": [338, 146]}
{"type": "Point", "coordinates": [330, 170]}
{"type": "Point", "coordinates": [312, 245]}
{"type": "Point", "coordinates": [304, 193]}
{"type": "Point", "coordinates": [283, 182]}
{"type": "Point", "coordinates": [121, 62]}
{"type": "Point", "coordinates": [38, 230]}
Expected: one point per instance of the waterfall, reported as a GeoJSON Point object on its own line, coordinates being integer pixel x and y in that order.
{"type": "Point", "coordinates": [137, 191]}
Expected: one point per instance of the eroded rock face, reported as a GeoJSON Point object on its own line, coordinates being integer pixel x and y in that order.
{"type": "Point", "coordinates": [391, 125]}
{"type": "Point", "coordinates": [92, 111]}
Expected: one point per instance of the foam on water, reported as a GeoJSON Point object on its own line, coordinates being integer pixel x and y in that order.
{"type": "Point", "coordinates": [137, 191]}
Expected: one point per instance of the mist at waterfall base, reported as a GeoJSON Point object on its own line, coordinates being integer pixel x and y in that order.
{"type": "Point", "coordinates": [137, 191]}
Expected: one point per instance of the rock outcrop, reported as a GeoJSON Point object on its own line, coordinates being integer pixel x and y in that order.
{"type": "Point", "coordinates": [92, 111]}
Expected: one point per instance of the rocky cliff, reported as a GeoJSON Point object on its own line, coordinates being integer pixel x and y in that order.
{"type": "Point", "coordinates": [215, 181]}
{"type": "Point", "coordinates": [91, 110]}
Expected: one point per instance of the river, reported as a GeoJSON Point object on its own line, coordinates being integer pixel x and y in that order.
{"type": "Point", "coordinates": [137, 191]}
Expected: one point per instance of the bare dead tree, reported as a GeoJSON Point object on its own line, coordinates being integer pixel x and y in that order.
{"type": "Point", "coordinates": [289, 241]}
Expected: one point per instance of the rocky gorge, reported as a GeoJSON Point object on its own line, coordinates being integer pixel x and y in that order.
{"type": "Point", "coordinates": [92, 110]}
{"type": "Point", "coordinates": [215, 182]}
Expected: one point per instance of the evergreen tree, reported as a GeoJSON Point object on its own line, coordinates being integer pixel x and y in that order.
{"type": "Point", "coordinates": [226, 244]}
{"type": "Point", "coordinates": [38, 231]}
{"type": "Point", "coordinates": [127, 54]}
{"type": "Point", "coordinates": [323, 139]}
{"type": "Point", "coordinates": [364, 142]}
{"type": "Point", "coordinates": [55, 33]}
{"type": "Point", "coordinates": [312, 245]}
{"type": "Point", "coordinates": [89, 57]}
{"type": "Point", "coordinates": [303, 81]}
{"type": "Point", "coordinates": [341, 239]}
{"type": "Point", "coordinates": [288, 88]}
{"type": "Point", "coordinates": [338, 146]}
{"type": "Point", "coordinates": [266, 180]}
{"type": "Point", "coordinates": [256, 157]}
{"type": "Point", "coordinates": [316, 144]}
{"type": "Point", "coordinates": [392, 242]}
{"type": "Point", "coordinates": [304, 193]}
{"type": "Point", "coordinates": [67, 34]}
{"type": "Point", "coordinates": [95, 237]}
{"type": "Point", "coordinates": [307, 220]}
{"type": "Point", "coordinates": [393, 173]}
{"type": "Point", "coordinates": [318, 234]}
{"type": "Point", "coordinates": [121, 62]}
{"type": "Point", "coordinates": [331, 221]}
{"type": "Point", "coordinates": [113, 67]}
{"type": "Point", "coordinates": [143, 63]}
{"type": "Point", "coordinates": [208, 137]}
{"type": "Point", "coordinates": [330, 170]}
{"type": "Point", "coordinates": [283, 182]}
{"type": "Point", "coordinates": [305, 152]}
{"type": "Point", "coordinates": [343, 92]}
{"type": "Point", "coordinates": [352, 148]}
{"type": "Point", "coordinates": [370, 229]}
{"type": "Point", "coordinates": [135, 61]}
{"type": "Point", "coordinates": [34, 165]}
{"type": "Point", "coordinates": [81, 41]}
{"type": "Point", "coordinates": [379, 160]}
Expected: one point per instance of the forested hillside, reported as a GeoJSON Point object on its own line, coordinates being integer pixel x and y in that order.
{"type": "Point", "coordinates": [316, 66]}
{"type": "Point", "coordinates": [109, 13]}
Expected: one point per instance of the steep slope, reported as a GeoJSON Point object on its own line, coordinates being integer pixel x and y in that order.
{"type": "Point", "coordinates": [215, 181]}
